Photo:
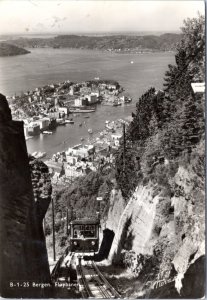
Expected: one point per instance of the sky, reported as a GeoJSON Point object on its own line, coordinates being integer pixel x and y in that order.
{"type": "Point", "coordinates": [76, 16]}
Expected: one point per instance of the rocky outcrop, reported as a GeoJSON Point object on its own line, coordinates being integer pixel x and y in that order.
{"type": "Point", "coordinates": [160, 236]}
{"type": "Point", "coordinates": [23, 255]}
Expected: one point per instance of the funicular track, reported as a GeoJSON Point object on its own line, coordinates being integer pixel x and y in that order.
{"type": "Point", "coordinates": [90, 281]}
{"type": "Point", "coordinates": [93, 284]}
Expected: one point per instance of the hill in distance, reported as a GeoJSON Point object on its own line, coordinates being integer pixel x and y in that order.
{"type": "Point", "coordinates": [11, 50]}
{"type": "Point", "coordinates": [163, 42]}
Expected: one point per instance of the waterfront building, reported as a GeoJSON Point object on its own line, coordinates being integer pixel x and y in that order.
{"type": "Point", "coordinates": [53, 123]}
{"type": "Point", "coordinates": [26, 131]}
{"type": "Point", "coordinates": [81, 101]}
{"type": "Point", "coordinates": [44, 123]}
{"type": "Point", "coordinates": [33, 129]}
{"type": "Point", "coordinates": [78, 102]}
{"type": "Point", "coordinates": [63, 110]}
{"type": "Point", "coordinates": [92, 99]}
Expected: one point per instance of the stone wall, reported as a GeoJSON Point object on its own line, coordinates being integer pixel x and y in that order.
{"type": "Point", "coordinates": [23, 254]}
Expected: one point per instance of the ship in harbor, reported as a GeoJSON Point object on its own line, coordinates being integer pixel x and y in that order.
{"type": "Point", "coordinates": [81, 110]}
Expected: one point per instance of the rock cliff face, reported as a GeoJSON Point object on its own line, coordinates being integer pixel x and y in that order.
{"type": "Point", "coordinates": [23, 256]}
{"type": "Point", "coordinates": [160, 236]}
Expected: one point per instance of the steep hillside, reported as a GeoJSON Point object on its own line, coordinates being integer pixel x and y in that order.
{"type": "Point", "coordinates": [160, 234]}
{"type": "Point", "coordinates": [153, 196]}
{"type": "Point", "coordinates": [157, 214]}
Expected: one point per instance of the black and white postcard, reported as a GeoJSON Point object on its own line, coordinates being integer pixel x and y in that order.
{"type": "Point", "coordinates": [102, 149]}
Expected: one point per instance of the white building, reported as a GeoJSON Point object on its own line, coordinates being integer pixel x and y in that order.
{"type": "Point", "coordinates": [78, 102]}
{"type": "Point", "coordinates": [112, 86]}
{"type": "Point", "coordinates": [80, 150]}
{"type": "Point", "coordinates": [91, 98]}
{"type": "Point", "coordinates": [44, 123]}
{"type": "Point", "coordinates": [64, 110]}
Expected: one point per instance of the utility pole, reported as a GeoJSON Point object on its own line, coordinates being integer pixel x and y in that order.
{"type": "Point", "coordinates": [99, 199]}
{"type": "Point", "coordinates": [67, 221]}
{"type": "Point", "coordinates": [124, 148]}
{"type": "Point", "coordinates": [53, 229]}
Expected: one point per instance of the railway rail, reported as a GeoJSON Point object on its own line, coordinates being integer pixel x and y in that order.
{"type": "Point", "coordinates": [93, 284]}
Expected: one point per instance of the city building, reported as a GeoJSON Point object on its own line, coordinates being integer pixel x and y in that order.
{"type": "Point", "coordinates": [44, 123]}
{"type": "Point", "coordinates": [33, 128]}
{"type": "Point", "coordinates": [112, 86]}
{"type": "Point", "coordinates": [92, 99]}
{"type": "Point", "coordinates": [64, 110]}
{"type": "Point", "coordinates": [80, 150]}
{"type": "Point", "coordinates": [85, 90]}
{"type": "Point", "coordinates": [81, 102]}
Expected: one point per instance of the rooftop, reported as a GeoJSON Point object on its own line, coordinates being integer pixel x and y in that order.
{"type": "Point", "coordinates": [85, 221]}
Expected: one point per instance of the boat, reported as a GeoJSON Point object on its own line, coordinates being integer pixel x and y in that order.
{"type": "Point", "coordinates": [87, 117]}
{"type": "Point", "coordinates": [90, 130]}
{"type": "Point", "coordinates": [39, 154]}
{"type": "Point", "coordinates": [80, 124]}
{"type": "Point", "coordinates": [69, 121]}
{"type": "Point", "coordinates": [62, 123]}
{"type": "Point", "coordinates": [116, 104]}
{"type": "Point", "coordinates": [28, 137]}
{"type": "Point", "coordinates": [82, 139]}
{"type": "Point", "coordinates": [79, 110]}
{"type": "Point", "coordinates": [47, 132]}
{"type": "Point", "coordinates": [128, 100]}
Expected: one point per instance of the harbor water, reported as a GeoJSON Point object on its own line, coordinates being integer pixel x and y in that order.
{"type": "Point", "coordinates": [46, 66]}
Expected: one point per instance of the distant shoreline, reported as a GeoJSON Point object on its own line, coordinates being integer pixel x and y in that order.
{"type": "Point", "coordinates": [111, 43]}
{"type": "Point", "coordinates": [131, 51]}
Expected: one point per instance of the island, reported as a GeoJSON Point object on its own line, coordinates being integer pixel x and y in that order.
{"type": "Point", "coordinates": [11, 50]}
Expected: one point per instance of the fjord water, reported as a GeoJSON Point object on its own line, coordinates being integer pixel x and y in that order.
{"type": "Point", "coordinates": [135, 72]}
